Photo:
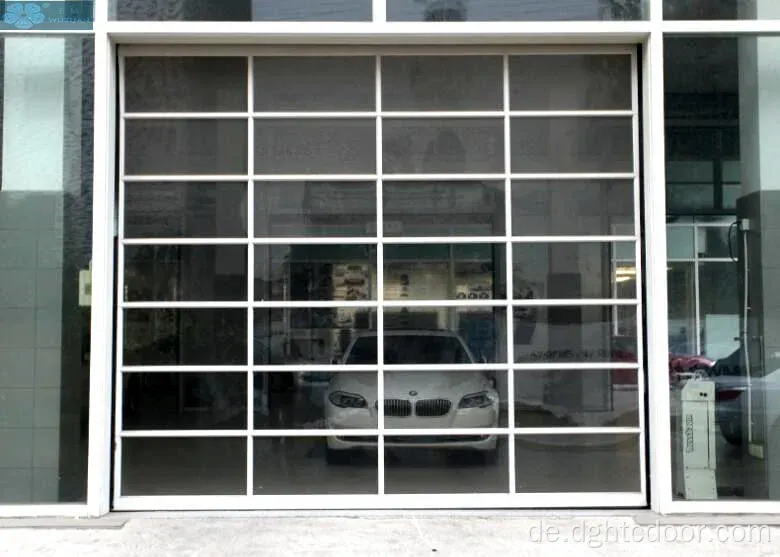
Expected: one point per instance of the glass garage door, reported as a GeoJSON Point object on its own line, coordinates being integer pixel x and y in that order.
{"type": "Point", "coordinates": [378, 279]}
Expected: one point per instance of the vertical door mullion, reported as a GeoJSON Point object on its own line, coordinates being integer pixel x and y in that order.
{"type": "Point", "coordinates": [250, 270]}
{"type": "Point", "coordinates": [380, 288]}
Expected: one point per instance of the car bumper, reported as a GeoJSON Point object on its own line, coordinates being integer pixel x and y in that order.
{"type": "Point", "coordinates": [449, 442]}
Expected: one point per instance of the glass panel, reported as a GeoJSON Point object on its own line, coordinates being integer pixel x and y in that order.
{"type": "Point", "coordinates": [446, 464]}
{"type": "Point", "coordinates": [239, 10]}
{"type": "Point", "coordinates": [46, 149]}
{"type": "Point", "coordinates": [175, 84]}
{"type": "Point", "coordinates": [445, 272]}
{"type": "Point", "coordinates": [681, 285]}
{"type": "Point", "coordinates": [571, 145]}
{"type": "Point", "coordinates": [321, 83]}
{"type": "Point", "coordinates": [184, 466]}
{"type": "Point", "coordinates": [314, 336]}
{"type": "Point", "coordinates": [679, 242]}
{"type": "Point", "coordinates": [441, 335]}
{"type": "Point", "coordinates": [571, 82]}
{"type": "Point", "coordinates": [184, 337]}
{"type": "Point", "coordinates": [315, 272]}
{"type": "Point", "coordinates": [715, 242]}
{"type": "Point", "coordinates": [315, 465]}
{"type": "Point", "coordinates": [573, 270]}
{"type": "Point", "coordinates": [185, 273]}
{"type": "Point", "coordinates": [291, 209]}
{"type": "Point", "coordinates": [572, 207]}
{"type": "Point", "coordinates": [720, 9]}
{"type": "Point", "coordinates": [514, 10]}
{"type": "Point", "coordinates": [322, 146]}
{"type": "Point", "coordinates": [431, 146]}
{"type": "Point", "coordinates": [577, 398]}
{"type": "Point", "coordinates": [171, 401]}
{"type": "Point", "coordinates": [315, 400]}
{"type": "Point", "coordinates": [434, 399]}
{"type": "Point", "coordinates": [185, 147]}
{"type": "Point", "coordinates": [577, 463]}
{"type": "Point", "coordinates": [719, 306]}
{"type": "Point", "coordinates": [442, 83]}
{"type": "Point", "coordinates": [558, 334]}
{"type": "Point", "coordinates": [457, 208]}
{"type": "Point", "coordinates": [185, 209]}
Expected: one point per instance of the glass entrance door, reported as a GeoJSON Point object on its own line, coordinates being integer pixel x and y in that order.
{"type": "Point", "coordinates": [379, 279]}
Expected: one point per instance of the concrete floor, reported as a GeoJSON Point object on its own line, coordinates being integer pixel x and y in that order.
{"type": "Point", "coordinates": [457, 534]}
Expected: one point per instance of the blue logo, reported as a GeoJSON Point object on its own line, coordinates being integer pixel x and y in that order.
{"type": "Point", "coordinates": [23, 15]}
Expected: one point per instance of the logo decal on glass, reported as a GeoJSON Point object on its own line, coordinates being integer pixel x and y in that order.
{"type": "Point", "coordinates": [24, 15]}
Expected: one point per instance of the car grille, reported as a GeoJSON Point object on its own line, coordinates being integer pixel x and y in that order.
{"type": "Point", "coordinates": [432, 408]}
{"type": "Point", "coordinates": [397, 408]}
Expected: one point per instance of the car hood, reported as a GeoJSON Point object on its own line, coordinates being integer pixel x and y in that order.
{"type": "Point", "coordinates": [426, 384]}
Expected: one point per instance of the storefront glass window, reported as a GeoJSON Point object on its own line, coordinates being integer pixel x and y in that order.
{"type": "Point", "coordinates": [515, 10]}
{"type": "Point", "coordinates": [721, 9]}
{"type": "Point", "coordinates": [240, 10]}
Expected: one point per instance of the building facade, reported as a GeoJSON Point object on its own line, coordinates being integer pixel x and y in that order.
{"type": "Point", "coordinates": [362, 254]}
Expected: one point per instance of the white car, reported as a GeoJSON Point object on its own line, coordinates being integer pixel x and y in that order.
{"type": "Point", "coordinates": [430, 399]}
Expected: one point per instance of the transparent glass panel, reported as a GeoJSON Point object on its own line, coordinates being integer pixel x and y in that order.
{"type": "Point", "coordinates": [185, 209]}
{"type": "Point", "coordinates": [322, 146]}
{"type": "Point", "coordinates": [431, 146]}
{"type": "Point", "coordinates": [715, 242]}
{"type": "Point", "coordinates": [185, 273]}
{"type": "Point", "coordinates": [577, 463]}
{"type": "Point", "coordinates": [433, 399]}
{"type": "Point", "coordinates": [184, 466]}
{"type": "Point", "coordinates": [185, 147]}
{"type": "Point", "coordinates": [514, 10]}
{"type": "Point", "coordinates": [719, 9]}
{"type": "Point", "coordinates": [572, 207]}
{"type": "Point", "coordinates": [719, 298]}
{"type": "Point", "coordinates": [184, 337]}
{"type": "Point", "coordinates": [321, 83]}
{"type": "Point", "coordinates": [679, 242]}
{"type": "Point", "coordinates": [456, 208]}
{"type": "Point", "coordinates": [291, 209]}
{"type": "Point", "coordinates": [570, 82]}
{"type": "Point", "coordinates": [239, 10]}
{"type": "Point", "coordinates": [576, 398]}
{"type": "Point", "coordinates": [314, 336]}
{"type": "Point", "coordinates": [681, 288]}
{"type": "Point", "coordinates": [572, 270]}
{"type": "Point", "coordinates": [442, 336]}
{"type": "Point", "coordinates": [315, 272]}
{"type": "Point", "coordinates": [189, 84]}
{"type": "Point", "coordinates": [585, 144]}
{"type": "Point", "coordinates": [315, 400]}
{"type": "Point", "coordinates": [442, 83]}
{"type": "Point", "coordinates": [564, 334]}
{"type": "Point", "coordinates": [446, 464]}
{"type": "Point", "coordinates": [169, 401]}
{"type": "Point", "coordinates": [315, 465]}
{"type": "Point", "coordinates": [445, 271]}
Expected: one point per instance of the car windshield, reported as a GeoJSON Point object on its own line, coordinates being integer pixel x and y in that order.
{"type": "Point", "coordinates": [410, 349]}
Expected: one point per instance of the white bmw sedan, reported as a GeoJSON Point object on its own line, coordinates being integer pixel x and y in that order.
{"type": "Point", "coordinates": [428, 399]}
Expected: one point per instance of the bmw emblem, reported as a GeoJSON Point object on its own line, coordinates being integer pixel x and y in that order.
{"type": "Point", "coordinates": [412, 393]}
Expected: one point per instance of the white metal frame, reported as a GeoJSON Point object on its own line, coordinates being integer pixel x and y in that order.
{"type": "Point", "coordinates": [649, 34]}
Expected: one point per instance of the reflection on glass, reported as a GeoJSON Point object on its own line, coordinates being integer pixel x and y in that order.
{"type": "Point", "coordinates": [446, 464]}
{"type": "Point", "coordinates": [167, 401]}
{"type": "Point", "coordinates": [679, 242]}
{"type": "Point", "coordinates": [583, 144]}
{"type": "Point", "coordinates": [312, 336]}
{"type": "Point", "coordinates": [445, 272]}
{"type": "Point", "coordinates": [442, 83]}
{"type": "Point", "coordinates": [311, 84]}
{"type": "Point", "coordinates": [240, 10]}
{"type": "Point", "coordinates": [315, 272]}
{"type": "Point", "coordinates": [457, 208]}
{"type": "Point", "coordinates": [714, 241]}
{"type": "Point", "coordinates": [558, 334]}
{"type": "Point", "coordinates": [184, 337]}
{"type": "Point", "coordinates": [572, 207]}
{"type": "Point", "coordinates": [577, 398]}
{"type": "Point", "coordinates": [514, 10]}
{"type": "Point", "coordinates": [189, 84]}
{"type": "Point", "coordinates": [313, 208]}
{"type": "Point", "coordinates": [184, 466]}
{"type": "Point", "coordinates": [307, 466]}
{"type": "Point", "coordinates": [201, 146]}
{"type": "Point", "coordinates": [719, 297]}
{"type": "Point", "coordinates": [315, 400]}
{"type": "Point", "coordinates": [432, 399]}
{"type": "Point", "coordinates": [718, 9]}
{"type": "Point", "coordinates": [436, 146]}
{"type": "Point", "coordinates": [185, 209]}
{"type": "Point", "coordinates": [185, 273]}
{"type": "Point", "coordinates": [681, 288]}
{"type": "Point", "coordinates": [577, 463]}
{"type": "Point", "coordinates": [570, 82]}
{"type": "Point", "coordinates": [321, 146]}
{"type": "Point", "coordinates": [573, 270]}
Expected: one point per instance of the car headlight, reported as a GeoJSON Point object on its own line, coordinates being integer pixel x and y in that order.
{"type": "Point", "coordinates": [347, 400]}
{"type": "Point", "coordinates": [482, 399]}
